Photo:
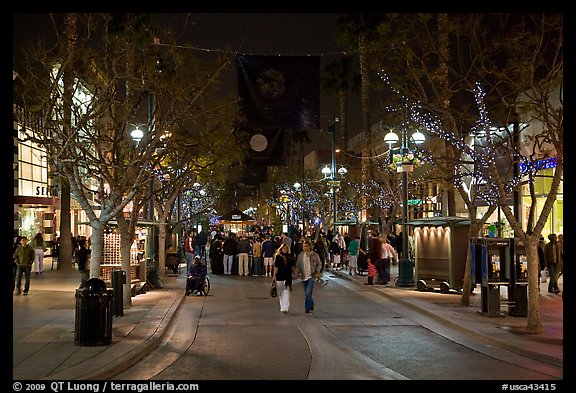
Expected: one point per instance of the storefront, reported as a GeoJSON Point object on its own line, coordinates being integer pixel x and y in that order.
{"type": "Point", "coordinates": [497, 225]}
{"type": "Point", "coordinates": [236, 222]}
{"type": "Point", "coordinates": [35, 197]}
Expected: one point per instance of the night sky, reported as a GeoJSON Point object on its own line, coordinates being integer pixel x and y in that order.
{"type": "Point", "coordinates": [236, 33]}
{"type": "Point", "coordinates": [244, 34]}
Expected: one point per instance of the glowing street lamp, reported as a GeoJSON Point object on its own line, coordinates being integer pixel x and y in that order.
{"type": "Point", "coordinates": [137, 135]}
{"type": "Point", "coordinates": [405, 265]}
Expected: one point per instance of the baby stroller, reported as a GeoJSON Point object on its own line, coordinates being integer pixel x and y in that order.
{"type": "Point", "coordinates": [362, 263]}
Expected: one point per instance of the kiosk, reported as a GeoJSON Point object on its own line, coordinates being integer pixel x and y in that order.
{"type": "Point", "coordinates": [440, 251]}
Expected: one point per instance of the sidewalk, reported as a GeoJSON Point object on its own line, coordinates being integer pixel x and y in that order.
{"type": "Point", "coordinates": [504, 331]}
{"type": "Point", "coordinates": [44, 326]}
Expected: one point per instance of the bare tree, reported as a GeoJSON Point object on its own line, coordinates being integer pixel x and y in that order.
{"type": "Point", "coordinates": [117, 63]}
{"type": "Point", "coordinates": [508, 65]}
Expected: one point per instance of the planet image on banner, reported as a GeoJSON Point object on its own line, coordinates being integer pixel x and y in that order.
{"type": "Point", "coordinates": [271, 83]}
{"type": "Point", "coordinates": [258, 142]}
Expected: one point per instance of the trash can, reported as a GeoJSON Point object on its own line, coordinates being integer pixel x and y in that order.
{"type": "Point", "coordinates": [93, 314]}
{"type": "Point", "coordinates": [118, 281]}
{"type": "Point", "coordinates": [518, 297]}
{"type": "Point", "coordinates": [490, 297]}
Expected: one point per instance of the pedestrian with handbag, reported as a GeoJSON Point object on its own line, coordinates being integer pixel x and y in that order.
{"type": "Point", "coordinates": [283, 269]}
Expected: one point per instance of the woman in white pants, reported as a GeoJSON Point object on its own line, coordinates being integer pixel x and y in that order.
{"type": "Point", "coordinates": [39, 248]}
{"type": "Point", "coordinates": [283, 267]}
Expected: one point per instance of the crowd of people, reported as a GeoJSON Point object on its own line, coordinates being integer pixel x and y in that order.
{"type": "Point", "coordinates": [283, 257]}
{"type": "Point", "coordinates": [278, 256]}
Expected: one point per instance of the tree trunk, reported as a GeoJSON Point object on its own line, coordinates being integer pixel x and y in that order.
{"type": "Point", "coordinates": [162, 248]}
{"type": "Point", "coordinates": [96, 248]}
{"type": "Point", "coordinates": [534, 322]}
{"type": "Point", "coordinates": [65, 262]}
{"type": "Point", "coordinates": [126, 240]}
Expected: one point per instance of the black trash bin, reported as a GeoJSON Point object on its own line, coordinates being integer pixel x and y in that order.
{"type": "Point", "coordinates": [118, 281]}
{"type": "Point", "coordinates": [93, 314]}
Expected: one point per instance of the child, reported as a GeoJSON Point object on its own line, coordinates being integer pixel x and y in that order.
{"type": "Point", "coordinates": [372, 272]}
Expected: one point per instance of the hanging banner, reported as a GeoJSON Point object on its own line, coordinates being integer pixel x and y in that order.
{"type": "Point", "coordinates": [266, 148]}
{"type": "Point", "coordinates": [279, 91]}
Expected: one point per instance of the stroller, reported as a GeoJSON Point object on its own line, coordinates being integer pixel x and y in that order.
{"type": "Point", "coordinates": [362, 263]}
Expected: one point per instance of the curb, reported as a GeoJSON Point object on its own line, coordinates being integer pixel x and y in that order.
{"type": "Point", "coordinates": [527, 352]}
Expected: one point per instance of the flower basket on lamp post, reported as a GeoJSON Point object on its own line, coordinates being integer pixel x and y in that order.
{"type": "Point", "coordinates": [404, 167]}
{"type": "Point", "coordinates": [404, 162]}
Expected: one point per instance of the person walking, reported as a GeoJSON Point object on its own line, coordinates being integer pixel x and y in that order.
{"type": "Point", "coordinates": [377, 253]}
{"type": "Point", "coordinates": [560, 254]}
{"type": "Point", "coordinates": [14, 262]}
{"type": "Point", "coordinates": [551, 254]}
{"type": "Point", "coordinates": [24, 256]}
{"type": "Point", "coordinates": [83, 263]}
{"type": "Point", "coordinates": [541, 261]}
{"type": "Point", "coordinates": [189, 250]}
{"type": "Point", "coordinates": [322, 250]}
{"type": "Point", "coordinates": [390, 255]}
{"type": "Point", "coordinates": [372, 272]}
{"type": "Point", "coordinates": [39, 249]}
{"type": "Point", "coordinates": [308, 268]}
{"type": "Point", "coordinates": [336, 248]}
{"type": "Point", "coordinates": [353, 251]}
{"type": "Point", "coordinates": [268, 251]}
{"type": "Point", "coordinates": [283, 267]}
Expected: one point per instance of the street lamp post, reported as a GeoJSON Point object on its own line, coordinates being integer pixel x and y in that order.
{"type": "Point", "coordinates": [297, 187]}
{"type": "Point", "coordinates": [405, 265]}
{"type": "Point", "coordinates": [330, 174]}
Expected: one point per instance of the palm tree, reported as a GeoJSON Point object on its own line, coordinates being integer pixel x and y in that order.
{"type": "Point", "coordinates": [340, 79]}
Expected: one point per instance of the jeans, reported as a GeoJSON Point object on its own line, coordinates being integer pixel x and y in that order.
{"type": "Point", "coordinates": [256, 266]}
{"type": "Point", "coordinates": [386, 268]}
{"type": "Point", "coordinates": [381, 271]}
{"type": "Point", "coordinates": [189, 261]}
{"type": "Point", "coordinates": [553, 281]}
{"type": "Point", "coordinates": [308, 288]}
{"type": "Point", "coordinates": [26, 270]}
{"type": "Point", "coordinates": [228, 260]}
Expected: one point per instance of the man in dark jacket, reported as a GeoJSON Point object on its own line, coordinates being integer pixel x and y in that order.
{"type": "Point", "coordinates": [551, 255]}
{"type": "Point", "coordinates": [24, 257]}
{"type": "Point", "coordinates": [229, 249]}
{"type": "Point", "coordinates": [82, 256]}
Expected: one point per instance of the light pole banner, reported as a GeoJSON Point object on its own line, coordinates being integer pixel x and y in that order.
{"type": "Point", "coordinates": [279, 91]}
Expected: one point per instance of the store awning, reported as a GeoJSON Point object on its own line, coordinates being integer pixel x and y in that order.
{"type": "Point", "coordinates": [439, 221]}
{"type": "Point", "coordinates": [236, 217]}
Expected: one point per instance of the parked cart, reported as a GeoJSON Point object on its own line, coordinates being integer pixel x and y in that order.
{"type": "Point", "coordinates": [440, 250]}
